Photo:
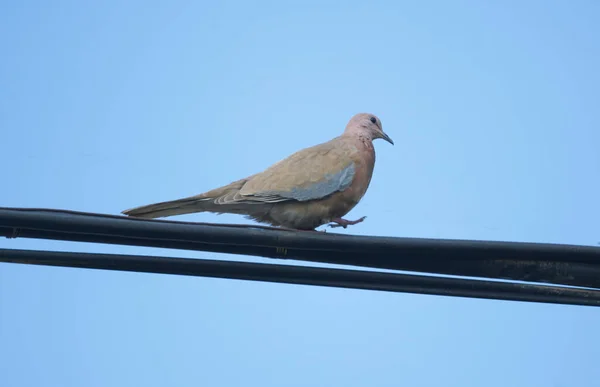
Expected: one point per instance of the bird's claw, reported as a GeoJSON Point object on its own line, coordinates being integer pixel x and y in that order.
{"type": "Point", "coordinates": [341, 222]}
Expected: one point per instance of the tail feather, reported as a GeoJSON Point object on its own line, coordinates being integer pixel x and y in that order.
{"type": "Point", "coordinates": [211, 201]}
{"type": "Point", "coordinates": [168, 208]}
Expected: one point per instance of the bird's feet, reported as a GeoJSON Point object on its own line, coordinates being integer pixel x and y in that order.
{"type": "Point", "coordinates": [341, 222]}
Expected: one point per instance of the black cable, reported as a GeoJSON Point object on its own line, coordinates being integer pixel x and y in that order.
{"type": "Point", "coordinates": [531, 262]}
{"type": "Point", "coordinates": [352, 279]}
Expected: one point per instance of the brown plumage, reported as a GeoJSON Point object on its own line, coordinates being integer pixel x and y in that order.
{"type": "Point", "coordinates": [313, 186]}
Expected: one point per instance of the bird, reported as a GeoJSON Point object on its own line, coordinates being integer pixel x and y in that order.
{"type": "Point", "coordinates": [316, 185]}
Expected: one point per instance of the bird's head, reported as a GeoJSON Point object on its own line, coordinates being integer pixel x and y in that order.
{"type": "Point", "coordinates": [367, 125]}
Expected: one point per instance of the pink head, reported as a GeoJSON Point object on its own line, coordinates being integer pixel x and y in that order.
{"type": "Point", "coordinates": [367, 125]}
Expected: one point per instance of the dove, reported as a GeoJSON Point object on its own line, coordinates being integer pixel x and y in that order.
{"type": "Point", "coordinates": [312, 187]}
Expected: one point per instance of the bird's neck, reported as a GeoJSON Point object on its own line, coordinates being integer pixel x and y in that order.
{"type": "Point", "coordinates": [367, 143]}
{"type": "Point", "coordinates": [363, 142]}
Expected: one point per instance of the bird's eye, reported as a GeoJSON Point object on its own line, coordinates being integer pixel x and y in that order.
{"type": "Point", "coordinates": [374, 120]}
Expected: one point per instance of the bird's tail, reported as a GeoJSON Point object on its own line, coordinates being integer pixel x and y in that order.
{"type": "Point", "coordinates": [169, 208]}
{"type": "Point", "coordinates": [206, 202]}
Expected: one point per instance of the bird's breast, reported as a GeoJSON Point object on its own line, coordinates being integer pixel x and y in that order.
{"type": "Point", "coordinates": [364, 162]}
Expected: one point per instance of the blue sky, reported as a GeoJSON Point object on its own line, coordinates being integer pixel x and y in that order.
{"type": "Point", "coordinates": [493, 107]}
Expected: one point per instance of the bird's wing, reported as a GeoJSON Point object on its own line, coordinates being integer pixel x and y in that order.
{"type": "Point", "coordinates": [312, 173]}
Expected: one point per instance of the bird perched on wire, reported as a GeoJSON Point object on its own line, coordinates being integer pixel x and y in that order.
{"type": "Point", "coordinates": [312, 187]}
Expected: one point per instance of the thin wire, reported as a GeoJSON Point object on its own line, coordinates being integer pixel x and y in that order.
{"type": "Point", "coordinates": [342, 278]}
{"type": "Point", "coordinates": [544, 263]}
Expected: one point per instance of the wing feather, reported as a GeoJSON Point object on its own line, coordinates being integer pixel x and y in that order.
{"type": "Point", "coordinates": [312, 173]}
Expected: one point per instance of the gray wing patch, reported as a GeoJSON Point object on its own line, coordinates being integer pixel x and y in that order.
{"type": "Point", "coordinates": [332, 182]}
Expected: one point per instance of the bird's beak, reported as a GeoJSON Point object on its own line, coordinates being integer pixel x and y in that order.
{"type": "Point", "coordinates": [387, 138]}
